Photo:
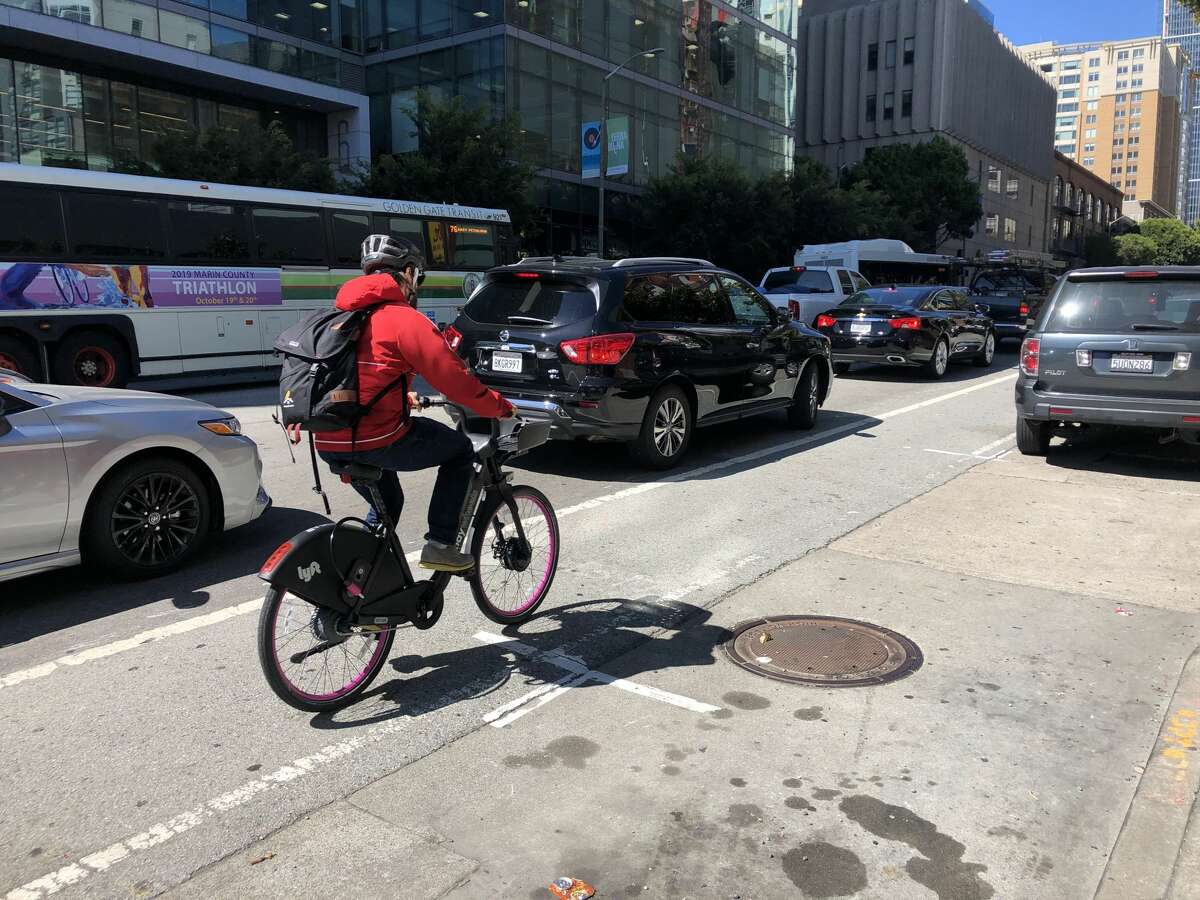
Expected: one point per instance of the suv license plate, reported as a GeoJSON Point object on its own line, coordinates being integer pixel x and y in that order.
{"type": "Point", "coordinates": [507, 362]}
{"type": "Point", "coordinates": [860, 327]}
{"type": "Point", "coordinates": [1129, 362]}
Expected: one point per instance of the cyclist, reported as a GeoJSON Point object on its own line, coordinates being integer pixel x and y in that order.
{"type": "Point", "coordinates": [399, 341]}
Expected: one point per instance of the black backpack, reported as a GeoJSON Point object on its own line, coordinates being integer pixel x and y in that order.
{"type": "Point", "coordinates": [318, 382]}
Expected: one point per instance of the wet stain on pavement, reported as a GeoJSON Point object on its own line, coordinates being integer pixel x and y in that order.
{"type": "Point", "coordinates": [940, 866]}
{"type": "Point", "coordinates": [738, 782]}
{"type": "Point", "coordinates": [723, 714]}
{"type": "Point", "coordinates": [670, 770]}
{"type": "Point", "coordinates": [677, 816]}
{"type": "Point", "coordinates": [793, 782]}
{"type": "Point", "coordinates": [743, 815]}
{"type": "Point", "coordinates": [572, 751]}
{"type": "Point", "coordinates": [676, 755]}
{"type": "Point", "coordinates": [1005, 831]}
{"type": "Point", "coordinates": [254, 768]}
{"type": "Point", "coordinates": [819, 869]}
{"type": "Point", "coordinates": [809, 714]}
{"type": "Point", "coordinates": [745, 700]}
{"type": "Point", "coordinates": [799, 803]}
{"type": "Point", "coordinates": [826, 794]}
{"type": "Point", "coordinates": [988, 686]}
{"type": "Point", "coordinates": [36, 851]}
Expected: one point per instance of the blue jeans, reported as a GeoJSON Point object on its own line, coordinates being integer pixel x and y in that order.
{"type": "Point", "coordinates": [427, 444]}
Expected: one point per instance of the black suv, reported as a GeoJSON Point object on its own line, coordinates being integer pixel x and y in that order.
{"type": "Point", "coordinates": [639, 350]}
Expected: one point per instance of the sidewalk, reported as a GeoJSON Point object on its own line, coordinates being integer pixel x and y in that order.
{"type": "Point", "coordinates": [1010, 765]}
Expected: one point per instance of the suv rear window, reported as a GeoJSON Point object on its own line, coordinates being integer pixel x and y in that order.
{"type": "Point", "coordinates": [1127, 306]}
{"type": "Point", "coordinates": [531, 301]}
{"type": "Point", "coordinates": [807, 282]}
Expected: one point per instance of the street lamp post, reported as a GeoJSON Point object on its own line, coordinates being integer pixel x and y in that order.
{"type": "Point", "coordinates": [647, 54]}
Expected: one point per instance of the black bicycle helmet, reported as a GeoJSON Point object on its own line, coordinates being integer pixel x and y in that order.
{"type": "Point", "coordinates": [384, 253]}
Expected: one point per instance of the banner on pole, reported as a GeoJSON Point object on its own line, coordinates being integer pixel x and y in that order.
{"type": "Point", "coordinates": [618, 145]}
{"type": "Point", "coordinates": [590, 145]}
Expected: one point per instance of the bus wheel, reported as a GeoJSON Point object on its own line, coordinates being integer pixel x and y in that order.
{"type": "Point", "coordinates": [16, 357]}
{"type": "Point", "coordinates": [91, 359]}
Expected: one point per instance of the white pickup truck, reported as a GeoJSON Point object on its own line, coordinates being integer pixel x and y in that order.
{"type": "Point", "coordinates": [807, 291]}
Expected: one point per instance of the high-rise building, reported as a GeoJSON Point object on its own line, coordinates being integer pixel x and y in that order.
{"type": "Point", "coordinates": [902, 71]}
{"type": "Point", "coordinates": [1119, 115]}
{"type": "Point", "coordinates": [94, 83]}
{"type": "Point", "coordinates": [1181, 29]}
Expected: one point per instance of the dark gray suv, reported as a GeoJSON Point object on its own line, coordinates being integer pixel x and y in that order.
{"type": "Point", "coordinates": [1113, 347]}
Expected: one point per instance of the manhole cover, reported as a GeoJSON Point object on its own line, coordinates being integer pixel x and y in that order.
{"type": "Point", "coordinates": [823, 650]}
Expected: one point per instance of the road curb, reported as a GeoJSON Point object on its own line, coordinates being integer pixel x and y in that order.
{"type": "Point", "coordinates": [1143, 861]}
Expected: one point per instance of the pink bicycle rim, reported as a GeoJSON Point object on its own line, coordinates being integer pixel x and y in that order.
{"type": "Point", "coordinates": [335, 695]}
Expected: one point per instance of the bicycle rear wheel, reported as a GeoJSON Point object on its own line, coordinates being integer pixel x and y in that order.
{"type": "Point", "coordinates": [512, 577]}
{"type": "Point", "coordinates": [307, 662]}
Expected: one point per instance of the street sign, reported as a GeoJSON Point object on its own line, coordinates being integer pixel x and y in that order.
{"type": "Point", "coordinates": [590, 145]}
{"type": "Point", "coordinates": [618, 145]}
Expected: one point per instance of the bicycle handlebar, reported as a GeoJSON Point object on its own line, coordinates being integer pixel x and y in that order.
{"type": "Point", "coordinates": [463, 413]}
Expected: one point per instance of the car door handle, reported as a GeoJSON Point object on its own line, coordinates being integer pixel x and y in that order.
{"type": "Point", "coordinates": [752, 345]}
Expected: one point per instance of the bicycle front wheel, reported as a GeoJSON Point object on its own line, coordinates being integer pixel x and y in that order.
{"type": "Point", "coordinates": [307, 659]}
{"type": "Point", "coordinates": [513, 575]}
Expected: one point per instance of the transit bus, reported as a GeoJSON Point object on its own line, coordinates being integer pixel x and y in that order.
{"type": "Point", "coordinates": [105, 277]}
{"type": "Point", "coordinates": [884, 261]}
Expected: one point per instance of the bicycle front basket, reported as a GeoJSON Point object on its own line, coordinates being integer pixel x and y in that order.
{"type": "Point", "coordinates": [532, 434]}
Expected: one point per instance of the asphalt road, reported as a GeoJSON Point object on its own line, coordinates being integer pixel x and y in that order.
{"type": "Point", "coordinates": [143, 746]}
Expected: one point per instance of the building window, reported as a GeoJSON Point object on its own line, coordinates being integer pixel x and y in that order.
{"type": "Point", "coordinates": [1010, 230]}
{"type": "Point", "coordinates": [1090, 133]}
{"type": "Point", "coordinates": [1089, 160]}
{"type": "Point", "coordinates": [1122, 85]}
{"type": "Point", "coordinates": [1090, 120]}
{"type": "Point", "coordinates": [1064, 135]}
{"type": "Point", "coordinates": [1072, 94]}
{"type": "Point", "coordinates": [1094, 62]}
{"type": "Point", "coordinates": [889, 107]}
{"type": "Point", "coordinates": [1116, 170]}
{"type": "Point", "coordinates": [1131, 170]}
{"type": "Point", "coordinates": [906, 105]}
{"type": "Point", "coordinates": [1047, 67]}
{"type": "Point", "coordinates": [1135, 140]}
{"type": "Point", "coordinates": [1135, 126]}
{"type": "Point", "coordinates": [1135, 112]}
{"type": "Point", "coordinates": [1089, 148]}
{"type": "Point", "coordinates": [1093, 76]}
{"type": "Point", "coordinates": [1013, 187]}
{"type": "Point", "coordinates": [992, 225]}
{"type": "Point", "coordinates": [910, 50]}
{"type": "Point", "coordinates": [1133, 154]}
{"type": "Point", "coordinates": [1068, 79]}
{"type": "Point", "coordinates": [1093, 92]}
{"type": "Point", "coordinates": [1070, 65]}
{"type": "Point", "coordinates": [994, 179]}
{"type": "Point", "coordinates": [872, 57]}
{"type": "Point", "coordinates": [1122, 70]}
{"type": "Point", "coordinates": [1118, 156]}
{"type": "Point", "coordinates": [871, 111]}
{"type": "Point", "coordinates": [889, 56]}
{"type": "Point", "coordinates": [1065, 121]}
{"type": "Point", "coordinates": [1132, 182]}
{"type": "Point", "coordinates": [1068, 107]}
{"type": "Point", "coordinates": [1093, 106]}
{"type": "Point", "coordinates": [1122, 54]}
{"type": "Point", "coordinates": [1136, 97]}
{"type": "Point", "coordinates": [1137, 83]}
{"type": "Point", "coordinates": [1138, 69]}
{"type": "Point", "coordinates": [1139, 52]}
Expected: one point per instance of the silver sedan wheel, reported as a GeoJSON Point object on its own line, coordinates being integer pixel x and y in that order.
{"type": "Point", "coordinates": [941, 358]}
{"type": "Point", "coordinates": [670, 427]}
{"type": "Point", "coordinates": [989, 348]}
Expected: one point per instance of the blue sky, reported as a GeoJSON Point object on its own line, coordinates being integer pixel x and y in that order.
{"type": "Point", "coordinates": [1068, 21]}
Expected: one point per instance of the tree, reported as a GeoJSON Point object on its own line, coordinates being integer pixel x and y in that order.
{"type": "Point", "coordinates": [465, 156]}
{"type": "Point", "coordinates": [824, 212]}
{"type": "Point", "coordinates": [1175, 243]}
{"type": "Point", "coordinates": [1135, 250]}
{"type": "Point", "coordinates": [928, 193]}
{"type": "Point", "coordinates": [1192, 6]}
{"type": "Point", "coordinates": [1099, 250]}
{"type": "Point", "coordinates": [710, 207]}
{"type": "Point", "coordinates": [251, 155]}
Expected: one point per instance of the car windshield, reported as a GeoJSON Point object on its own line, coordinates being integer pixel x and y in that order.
{"type": "Point", "coordinates": [791, 281]}
{"type": "Point", "coordinates": [531, 301]}
{"type": "Point", "coordinates": [1127, 306]}
{"type": "Point", "coordinates": [893, 296]}
{"type": "Point", "coordinates": [1018, 282]}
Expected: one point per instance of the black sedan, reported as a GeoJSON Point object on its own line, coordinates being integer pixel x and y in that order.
{"type": "Point", "coordinates": [926, 326]}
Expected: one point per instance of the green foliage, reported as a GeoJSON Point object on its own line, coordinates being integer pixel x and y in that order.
{"type": "Point", "coordinates": [928, 194]}
{"type": "Point", "coordinates": [709, 207]}
{"type": "Point", "coordinates": [465, 157]}
{"type": "Point", "coordinates": [1175, 243]}
{"type": "Point", "coordinates": [1135, 250]}
{"type": "Point", "coordinates": [1192, 6]}
{"type": "Point", "coordinates": [255, 156]}
{"type": "Point", "coordinates": [825, 213]}
{"type": "Point", "coordinates": [1099, 250]}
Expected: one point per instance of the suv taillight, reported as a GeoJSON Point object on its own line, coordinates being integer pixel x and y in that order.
{"type": "Point", "coordinates": [1031, 351]}
{"type": "Point", "coordinates": [453, 336]}
{"type": "Point", "coordinates": [603, 350]}
{"type": "Point", "coordinates": [1023, 309]}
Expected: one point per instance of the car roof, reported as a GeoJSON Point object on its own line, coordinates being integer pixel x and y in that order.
{"type": "Point", "coordinates": [590, 265]}
{"type": "Point", "coordinates": [1115, 271]}
{"type": "Point", "coordinates": [929, 288]}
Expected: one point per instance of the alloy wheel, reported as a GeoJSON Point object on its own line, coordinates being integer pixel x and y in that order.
{"type": "Point", "coordinates": [941, 358]}
{"type": "Point", "coordinates": [670, 427]}
{"type": "Point", "coordinates": [813, 397]}
{"type": "Point", "coordinates": [989, 348]}
{"type": "Point", "coordinates": [94, 367]}
{"type": "Point", "coordinates": [155, 520]}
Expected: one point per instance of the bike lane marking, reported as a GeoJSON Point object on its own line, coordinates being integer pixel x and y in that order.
{"type": "Point", "coordinates": [182, 627]}
{"type": "Point", "coordinates": [577, 673]}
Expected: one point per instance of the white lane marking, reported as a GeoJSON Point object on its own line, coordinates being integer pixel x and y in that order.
{"type": "Point", "coordinates": [251, 606]}
{"type": "Point", "coordinates": [1007, 439]}
{"type": "Point", "coordinates": [162, 832]}
{"type": "Point", "coordinates": [982, 452]}
{"type": "Point", "coordinates": [154, 634]}
{"type": "Point", "coordinates": [577, 674]}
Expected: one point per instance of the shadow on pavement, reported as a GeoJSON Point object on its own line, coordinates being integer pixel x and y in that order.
{"type": "Point", "coordinates": [765, 438]}
{"type": "Point", "coordinates": [41, 604]}
{"type": "Point", "coordinates": [598, 633]}
{"type": "Point", "coordinates": [1130, 453]}
{"type": "Point", "coordinates": [958, 373]}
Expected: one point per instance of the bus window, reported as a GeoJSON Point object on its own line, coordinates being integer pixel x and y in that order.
{"type": "Point", "coordinates": [31, 223]}
{"type": "Point", "coordinates": [349, 231]}
{"type": "Point", "coordinates": [208, 231]}
{"type": "Point", "coordinates": [437, 243]}
{"type": "Point", "coordinates": [111, 227]}
{"type": "Point", "coordinates": [406, 228]}
{"type": "Point", "coordinates": [289, 236]}
{"type": "Point", "coordinates": [474, 246]}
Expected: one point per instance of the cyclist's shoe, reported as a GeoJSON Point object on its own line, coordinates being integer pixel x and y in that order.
{"type": "Point", "coordinates": [442, 558]}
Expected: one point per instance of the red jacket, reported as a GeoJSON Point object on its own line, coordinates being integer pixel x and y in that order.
{"type": "Point", "coordinates": [399, 340]}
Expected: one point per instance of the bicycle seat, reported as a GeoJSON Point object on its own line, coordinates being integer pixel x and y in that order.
{"type": "Point", "coordinates": [348, 471]}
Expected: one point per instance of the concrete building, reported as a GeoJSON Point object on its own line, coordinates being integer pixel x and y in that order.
{"type": "Point", "coordinates": [1120, 113]}
{"type": "Point", "coordinates": [878, 73]}
{"type": "Point", "coordinates": [93, 83]}
{"type": "Point", "coordinates": [1082, 205]}
{"type": "Point", "coordinates": [1181, 29]}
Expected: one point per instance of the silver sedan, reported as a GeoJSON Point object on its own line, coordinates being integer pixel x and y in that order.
{"type": "Point", "coordinates": [130, 482]}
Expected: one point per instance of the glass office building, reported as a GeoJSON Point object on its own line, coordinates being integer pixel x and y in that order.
{"type": "Point", "coordinates": [1181, 28]}
{"type": "Point", "coordinates": [723, 83]}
